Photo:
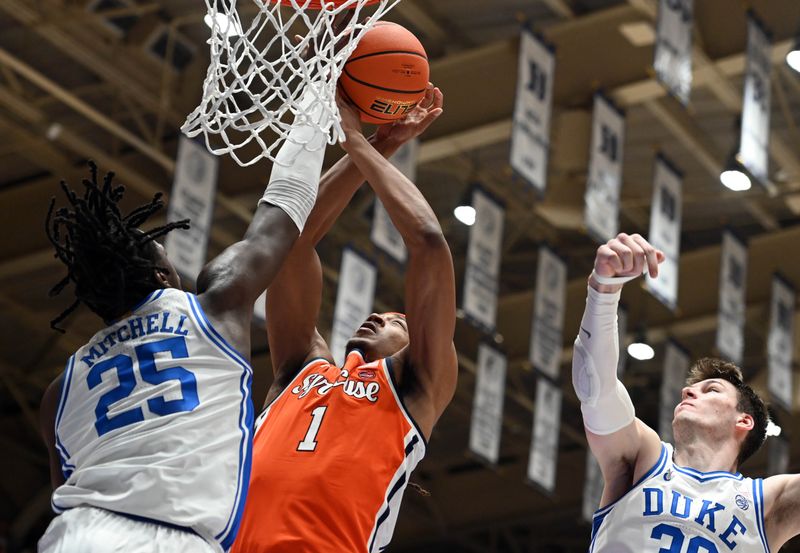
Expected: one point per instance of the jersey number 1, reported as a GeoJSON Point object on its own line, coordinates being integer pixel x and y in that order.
{"type": "Point", "coordinates": [309, 443]}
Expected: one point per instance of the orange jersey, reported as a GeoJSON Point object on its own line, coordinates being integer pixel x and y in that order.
{"type": "Point", "coordinates": [332, 455]}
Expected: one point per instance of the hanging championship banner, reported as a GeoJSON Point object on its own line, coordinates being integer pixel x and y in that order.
{"type": "Point", "coordinates": [592, 487]}
{"type": "Point", "coordinates": [605, 170]}
{"type": "Point", "coordinates": [780, 343]}
{"type": "Point", "coordinates": [778, 461]}
{"type": "Point", "coordinates": [544, 445]}
{"type": "Point", "coordinates": [676, 365]}
{"type": "Point", "coordinates": [530, 136]}
{"type": "Point", "coordinates": [673, 49]}
{"type": "Point", "coordinates": [487, 405]}
{"type": "Point", "coordinates": [754, 140]}
{"type": "Point", "coordinates": [665, 230]}
{"type": "Point", "coordinates": [192, 198]}
{"type": "Point", "coordinates": [483, 261]}
{"type": "Point", "coordinates": [354, 299]}
{"type": "Point", "coordinates": [733, 278]}
{"type": "Point", "coordinates": [384, 234]}
{"type": "Point", "coordinates": [548, 313]}
{"type": "Point", "coordinates": [622, 333]}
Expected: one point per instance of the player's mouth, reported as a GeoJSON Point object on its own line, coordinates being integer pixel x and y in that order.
{"type": "Point", "coordinates": [368, 326]}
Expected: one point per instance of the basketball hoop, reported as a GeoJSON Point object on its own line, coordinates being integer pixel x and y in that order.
{"type": "Point", "coordinates": [259, 81]}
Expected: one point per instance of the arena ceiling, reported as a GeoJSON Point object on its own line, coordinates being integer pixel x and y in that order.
{"type": "Point", "coordinates": [74, 86]}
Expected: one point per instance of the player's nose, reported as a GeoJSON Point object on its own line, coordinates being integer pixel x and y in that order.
{"type": "Point", "coordinates": [688, 392]}
{"type": "Point", "coordinates": [377, 319]}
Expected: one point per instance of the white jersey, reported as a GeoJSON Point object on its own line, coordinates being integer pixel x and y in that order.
{"type": "Point", "coordinates": [155, 421]}
{"type": "Point", "coordinates": [676, 509]}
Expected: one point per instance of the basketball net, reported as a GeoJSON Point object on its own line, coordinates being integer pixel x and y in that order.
{"type": "Point", "coordinates": [256, 80]}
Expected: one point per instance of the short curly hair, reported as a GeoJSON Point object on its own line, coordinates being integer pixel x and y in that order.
{"type": "Point", "coordinates": [749, 401]}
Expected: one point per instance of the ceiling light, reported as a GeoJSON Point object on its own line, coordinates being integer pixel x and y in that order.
{"type": "Point", "coordinates": [465, 214]}
{"type": "Point", "coordinates": [773, 429]}
{"type": "Point", "coordinates": [735, 179]}
{"type": "Point", "coordinates": [793, 56]}
{"type": "Point", "coordinates": [641, 351]}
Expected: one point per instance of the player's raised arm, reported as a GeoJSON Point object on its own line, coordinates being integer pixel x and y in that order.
{"type": "Point", "coordinates": [230, 283]}
{"type": "Point", "coordinates": [622, 444]}
{"type": "Point", "coordinates": [781, 509]}
{"type": "Point", "coordinates": [430, 284]}
{"type": "Point", "coordinates": [294, 299]}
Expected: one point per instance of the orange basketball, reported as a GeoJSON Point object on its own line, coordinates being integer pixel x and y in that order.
{"type": "Point", "coordinates": [386, 74]}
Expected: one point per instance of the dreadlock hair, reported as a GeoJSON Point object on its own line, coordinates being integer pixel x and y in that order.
{"type": "Point", "coordinates": [749, 402]}
{"type": "Point", "coordinates": [110, 261]}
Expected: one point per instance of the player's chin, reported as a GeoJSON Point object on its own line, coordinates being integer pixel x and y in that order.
{"type": "Point", "coordinates": [358, 342]}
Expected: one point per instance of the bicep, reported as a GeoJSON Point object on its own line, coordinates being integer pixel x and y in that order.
{"type": "Point", "coordinates": [293, 303]}
{"type": "Point", "coordinates": [626, 454]}
{"type": "Point", "coordinates": [782, 505]}
{"type": "Point", "coordinates": [431, 316]}
{"type": "Point", "coordinates": [234, 279]}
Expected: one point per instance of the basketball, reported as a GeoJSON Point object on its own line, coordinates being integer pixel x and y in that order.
{"type": "Point", "coordinates": [386, 75]}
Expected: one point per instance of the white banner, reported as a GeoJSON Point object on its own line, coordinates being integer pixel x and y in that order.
{"type": "Point", "coordinates": [665, 230]}
{"type": "Point", "coordinates": [780, 343]}
{"type": "Point", "coordinates": [733, 279]}
{"type": "Point", "coordinates": [673, 49]}
{"type": "Point", "coordinates": [487, 405]}
{"type": "Point", "coordinates": [384, 234]}
{"type": "Point", "coordinates": [754, 141]}
{"type": "Point", "coordinates": [548, 313]}
{"type": "Point", "coordinates": [192, 198]}
{"type": "Point", "coordinates": [778, 461]}
{"type": "Point", "coordinates": [260, 309]}
{"type": "Point", "coordinates": [622, 334]}
{"type": "Point", "coordinates": [676, 366]}
{"type": "Point", "coordinates": [592, 487]}
{"type": "Point", "coordinates": [544, 445]}
{"type": "Point", "coordinates": [605, 171]}
{"type": "Point", "coordinates": [530, 136]}
{"type": "Point", "coordinates": [354, 299]}
{"type": "Point", "coordinates": [483, 261]}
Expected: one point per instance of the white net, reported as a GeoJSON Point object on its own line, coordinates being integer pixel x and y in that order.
{"type": "Point", "coordinates": [258, 72]}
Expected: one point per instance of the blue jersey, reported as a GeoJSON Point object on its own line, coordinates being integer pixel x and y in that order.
{"type": "Point", "coordinates": [678, 509]}
{"type": "Point", "coordinates": [155, 421]}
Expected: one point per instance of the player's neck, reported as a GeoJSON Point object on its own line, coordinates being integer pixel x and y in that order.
{"type": "Point", "coordinates": [706, 456]}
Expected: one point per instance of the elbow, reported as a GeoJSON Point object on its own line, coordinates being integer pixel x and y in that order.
{"type": "Point", "coordinates": [429, 238]}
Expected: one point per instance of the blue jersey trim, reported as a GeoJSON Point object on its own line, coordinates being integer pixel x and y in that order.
{"type": "Point", "coordinates": [707, 476]}
{"type": "Point", "coordinates": [387, 361]}
{"type": "Point", "coordinates": [758, 496]}
{"type": "Point", "coordinates": [228, 533]}
{"type": "Point", "coordinates": [66, 468]}
{"type": "Point", "coordinates": [656, 468]}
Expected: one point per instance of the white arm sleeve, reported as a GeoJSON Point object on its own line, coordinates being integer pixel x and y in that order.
{"type": "Point", "coordinates": [605, 403]}
{"type": "Point", "coordinates": [295, 175]}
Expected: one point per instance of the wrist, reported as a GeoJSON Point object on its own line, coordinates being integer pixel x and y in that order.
{"type": "Point", "coordinates": [386, 146]}
{"type": "Point", "coordinates": [603, 288]}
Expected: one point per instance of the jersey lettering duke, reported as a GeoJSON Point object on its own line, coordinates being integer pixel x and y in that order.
{"type": "Point", "coordinates": [154, 421]}
{"type": "Point", "coordinates": [332, 456]}
{"type": "Point", "coordinates": [675, 509]}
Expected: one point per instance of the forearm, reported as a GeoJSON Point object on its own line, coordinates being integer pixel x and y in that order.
{"type": "Point", "coordinates": [405, 204]}
{"type": "Point", "coordinates": [336, 189]}
{"type": "Point", "coordinates": [605, 404]}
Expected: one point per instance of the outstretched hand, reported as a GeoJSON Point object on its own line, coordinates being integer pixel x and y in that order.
{"type": "Point", "coordinates": [625, 255]}
{"type": "Point", "coordinates": [416, 122]}
{"type": "Point", "coordinates": [348, 116]}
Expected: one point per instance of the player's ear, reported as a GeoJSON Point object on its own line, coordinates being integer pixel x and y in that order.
{"type": "Point", "coordinates": [162, 277]}
{"type": "Point", "coordinates": [745, 422]}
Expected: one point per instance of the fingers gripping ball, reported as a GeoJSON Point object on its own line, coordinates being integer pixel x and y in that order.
{"type": "Point", "coordinates": [386, 74]}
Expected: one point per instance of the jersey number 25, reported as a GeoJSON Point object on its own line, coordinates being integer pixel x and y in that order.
{"type": "Point", "coordinates": [145, 360]}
